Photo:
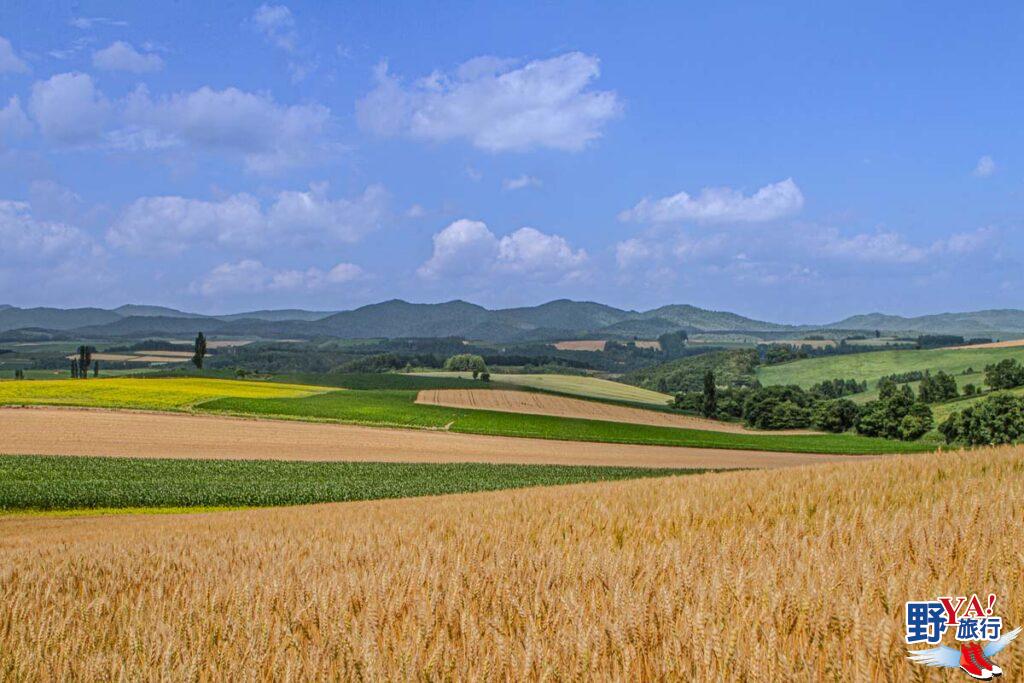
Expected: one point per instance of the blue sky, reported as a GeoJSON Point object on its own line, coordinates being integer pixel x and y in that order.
{"type": "Point", "coordinates": [794, 162]}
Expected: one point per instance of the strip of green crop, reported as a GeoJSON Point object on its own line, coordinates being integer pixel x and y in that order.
{"type": "Point", "coordinates": [398, 408]}
{"type": "Point", "coordinates": [36, 483]}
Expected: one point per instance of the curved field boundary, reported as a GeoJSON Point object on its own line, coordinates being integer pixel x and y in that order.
{"type": "Point", "coordinates": [63, 431]}
{"type": "Point", "coordinates": [531, 403]}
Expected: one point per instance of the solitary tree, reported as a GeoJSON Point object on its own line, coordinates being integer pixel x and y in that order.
{"type": "Point", "coordinates": [197, 357]}
{"type": "Point", "coordinates": [74, 368]}
{"type": "Point", "coordinates": [95, 368]}
{"type": "Point", "coordinates": [709, 404]}
{"type": "Point", "coordinates": [84, 361]}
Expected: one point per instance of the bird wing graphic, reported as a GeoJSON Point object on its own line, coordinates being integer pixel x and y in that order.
{"type": "Point", "coordinates": [997, 645]}
{"type": "Point", "coordinates": [937, 656]}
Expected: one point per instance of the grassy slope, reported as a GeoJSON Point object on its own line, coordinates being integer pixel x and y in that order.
{"type": "Point", "coordinates": [873, 365]}
{"type": "Point", "coordinates": [574, 385]}
{"type": "Point", "coordinates": [157, 394]}
{"type": "Point", "coordinates": [61, 483]}
{"type": "Point", "coordinates": [397, 408]}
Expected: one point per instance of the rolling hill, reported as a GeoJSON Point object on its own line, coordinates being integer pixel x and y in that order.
{"type": "Point", "coordinates": [559, 319]}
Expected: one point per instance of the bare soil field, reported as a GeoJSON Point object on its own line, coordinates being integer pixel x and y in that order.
{"type": "Point", "coordinates": [584, 345]}
{"type": "Point", "coordinates": [648, 344]}
{"type": "Point", "coordinates": [1010, 343]}
{"type": "Point", "coordinates": [545, 404]}
{"type": "Point", "coordinates": [789, 575]}
{"type": "Point", "coordinates": [69, 431]}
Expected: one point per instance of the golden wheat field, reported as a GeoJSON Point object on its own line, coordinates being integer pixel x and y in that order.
{"type": "Point", "coordinates": [756, 576]}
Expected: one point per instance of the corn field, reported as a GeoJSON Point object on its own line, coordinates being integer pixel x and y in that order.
{"type": "Point", "coordinates": [797, 574]}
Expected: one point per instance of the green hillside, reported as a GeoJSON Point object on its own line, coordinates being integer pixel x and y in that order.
{"type": "Point", "coordinates": [874, 365]}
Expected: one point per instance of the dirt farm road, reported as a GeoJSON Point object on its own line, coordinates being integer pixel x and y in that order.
{"type": "Point", "coordinates": [64, 431]}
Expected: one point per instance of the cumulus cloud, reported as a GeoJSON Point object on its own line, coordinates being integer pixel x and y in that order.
{"type": "Point", "coordinates": [269, 136]}
{"type": "Point", "coordinates": [69, 109]}
{"type": "Point", "coordinates": [121, 56]}
{"type": "Point", "coordinates": [250, 275]}
{"type": "Point", "coordinates": [10, 62]}
{"type": "Point", "coordinates": [468, 247]}
{"type": "Point", "coordinates": [496, 104]}
{"type": "Point", "coordinates": [28, 238]}
{"type": "Point", "coordinates": [520, 182]}
{"type": "Point", "coordinates": [720, 205]}
{"type": "Point", "coordinates": [172, 224]}
{"type": "Point", "coordinates": [985, 167]}
{"type": "Point", "coordinates": [13, 121]}
{"type": "Point", "coordinates": [314, 214]}
{"type": "Point", "coordinates": [277, 25]}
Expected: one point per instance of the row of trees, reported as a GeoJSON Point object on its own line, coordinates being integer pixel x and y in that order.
{"type": "Point", "coordinates": [896, 414]}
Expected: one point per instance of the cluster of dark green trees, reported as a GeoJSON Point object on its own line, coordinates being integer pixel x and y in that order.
{"type": "Point", "coordinates": [999, 419]}
{"type": "Point", "coordinates": [1006, 374]}
{"type": "Point", "coordinates": [896, 414]}
{"type": "Point", "coordinates": [19, 374]}
{"type": "Point", "coordinates": [838, 388]}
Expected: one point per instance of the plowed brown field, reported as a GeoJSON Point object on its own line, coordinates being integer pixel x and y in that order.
{"type": "Point", "coordinates": [62, 431]}
{"type": "Point", "coordinates": [533, 403]}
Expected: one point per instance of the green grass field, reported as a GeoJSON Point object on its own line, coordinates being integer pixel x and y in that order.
{"type": "Point", "coordinates": [398, 409]}
{"type": "Point", "coordinates": [36, 483]}
{"type": "Point", "coordinates": [876, 364]}
{"type": "Point", "coordinates": [574, 385]}
{"type": "Point", "coordinates": [156, 394]}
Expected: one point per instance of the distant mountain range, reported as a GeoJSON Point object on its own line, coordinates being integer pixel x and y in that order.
{"type": "Point", "coordinates": [553, 320]}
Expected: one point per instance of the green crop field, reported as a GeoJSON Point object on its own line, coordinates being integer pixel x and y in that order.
{"type": "Point", "coordinates": [876, 364]}
{"type": "Point", "coordinates": [381, 380]}
{"type": "Point", "coordinates": [157, 394]}
{"type": "Point", "coordinates": [575, 385]}
{"type": "Point", "coordinates": [398, 409]}
{"type": "Point", "coordinates": [36, 483]}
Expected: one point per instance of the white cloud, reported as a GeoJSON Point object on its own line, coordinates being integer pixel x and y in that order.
{"type": "Point", "coordinates": [10, 62]}
{"type": "Point", "coordinates": [495, 105]}
{"type": "Point", "coordinates": [250, 275]}
{"type": "Point", "coordinates": [531, 251]}
{"type": "Point", "coordinates": [985, 167]}
{"type": "Point", "coordinates": [268, 135]}
{"type": "Point", "coordinates": [170, 225]}
{"type": "Point", "coordinates": [632, 252]}
{"type": "Point", "coordinates": [879, 247]}
{"type": "Point", "coordinates": [86, 23]}
{"type": "Point", "coordinates": [967, 242]}
{"type": "Point", "coordinates": [277, 25]}
{"type": "Point", "coordinates": [469, 248]}
{"type": "Point", "coordinates": [415, 211]}
{"type": "Point", "coordinates": [462, 248]}
{"type": "Point", "coordinates": [721, 204]}
{"type": "Point", "coordinates": [520, 182]}
{"type": "Point", "coordinates": [313, 214]}
{"type": "Point", "coordinates": [69, 109]}
{"type": "Point", "coordinates": [25, 237]}
{"type": "Point", "coordinates": [121, 56]}
{"type": "Point", "coordinates": [13, 121]}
